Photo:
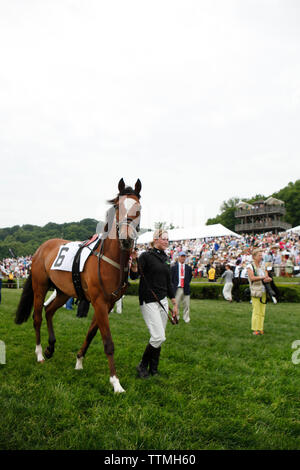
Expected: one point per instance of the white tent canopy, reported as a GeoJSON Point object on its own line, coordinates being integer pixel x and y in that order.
{"type": "Point", "coordinates": [206, 231]}
{"type": "Point", "coordinates": [294, 229]}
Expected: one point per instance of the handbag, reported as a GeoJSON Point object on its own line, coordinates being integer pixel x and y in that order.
{"type": "Point", "coordinates": [256, 287]}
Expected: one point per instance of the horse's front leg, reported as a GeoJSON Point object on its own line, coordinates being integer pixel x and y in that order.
{"type": "Point", "coordinates": [101, 313]}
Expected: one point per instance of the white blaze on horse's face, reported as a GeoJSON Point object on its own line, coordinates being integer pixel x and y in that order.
{"type": "Point", "coordinates": [128, 203]}
{"type": "Point", "coordinates": [129, 216]}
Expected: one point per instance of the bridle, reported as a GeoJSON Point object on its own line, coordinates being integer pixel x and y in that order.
{"type": "Point", "coordinates": [129, 221]}
{"type": "Point", "coordinates": [126, 245]}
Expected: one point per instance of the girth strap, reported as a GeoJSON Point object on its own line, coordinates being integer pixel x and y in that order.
{"type": "Point", "coordinates": [76, 265]}
{"type": "Point", "coordinates": [76, 275]}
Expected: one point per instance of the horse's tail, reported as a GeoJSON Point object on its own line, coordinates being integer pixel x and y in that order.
{"type": "Point", "coordinates": [26, 302]}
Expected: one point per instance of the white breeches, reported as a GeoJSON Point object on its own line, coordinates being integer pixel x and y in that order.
{"type": "Point", "coordinates": [156, 320]}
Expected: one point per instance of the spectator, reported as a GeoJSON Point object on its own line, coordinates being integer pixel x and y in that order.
{"type": "Point", "coordinates": [244, 273]}
{"type": "Point", "coordinates": [212, 274]}
{"type": "Point", "coordinates": [181, 276]}
{"type": "Point", "coordinates": [289, 267]}
{"type": "Point", "coordinates": [228, 276]}
{"type": "Point", "coordinates": [256, 274]}
{"type": "Point", "coordinates": [2, 273]}
{"type": "Point", "coordinates": [10, 282]}
{"type": "Point", "coordinates": [277, 263]}
{"type": "Point", "coordinates": [69, 304]}
{"type": "Point", "coordinates": [236, 281]}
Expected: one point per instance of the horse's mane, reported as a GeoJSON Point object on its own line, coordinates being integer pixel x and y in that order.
{"type": "Point", "coordinates": [127, 191]}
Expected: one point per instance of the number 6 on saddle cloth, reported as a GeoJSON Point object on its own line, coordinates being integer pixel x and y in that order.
{"type": "Point", "coordinates": [73, 256]}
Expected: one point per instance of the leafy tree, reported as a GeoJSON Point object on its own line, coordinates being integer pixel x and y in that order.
{"type": "Point", "coordinates": [226, 217]}
{"type": "Point", "coordinates": [289, 194]}
{"type": "Point", "coordinates": [26, 239]}
{"type": "Point", "coordinates": [160, 225]}
{"type": "Point", "coordinates": [164, 225]}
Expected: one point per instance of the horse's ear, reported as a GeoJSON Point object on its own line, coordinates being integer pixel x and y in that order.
{"type": "Point", "coordinates": [121, 185]}
{"type": "Point", "coordinates": [138, 187]}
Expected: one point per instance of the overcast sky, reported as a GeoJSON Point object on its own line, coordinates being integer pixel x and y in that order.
{"type": "Point", "coordinates": [198, 99]}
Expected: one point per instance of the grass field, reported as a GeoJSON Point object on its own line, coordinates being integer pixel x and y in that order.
{"type": "Point", "coordinates": [219, 387]}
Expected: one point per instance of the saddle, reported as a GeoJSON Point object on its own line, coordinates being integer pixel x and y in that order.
{"type": "Point", "coordinates": [76, 263]}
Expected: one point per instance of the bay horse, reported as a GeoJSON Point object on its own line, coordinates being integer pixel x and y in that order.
{"type": "Point", "coordinates": [103, 279]}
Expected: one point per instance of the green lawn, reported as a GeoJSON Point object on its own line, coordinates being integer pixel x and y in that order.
{"type": "Point", "coordinates": [219, 387]}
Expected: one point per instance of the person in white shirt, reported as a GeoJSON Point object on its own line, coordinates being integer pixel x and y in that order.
{"type": "Point", "coordinates": [244, 274]}
{"type": "Point", "coordinates": [236, 281]}
{"type": "Point", "coordinates": [277, 263]}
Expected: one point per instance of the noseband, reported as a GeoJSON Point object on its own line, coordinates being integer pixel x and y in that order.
{"type": "Point", "coordinates": [127, 243]}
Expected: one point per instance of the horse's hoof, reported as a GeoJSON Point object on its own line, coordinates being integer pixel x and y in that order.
{"type": "Point", "coordinates": [39, 353]}
{"type": "Point", "coordinates": [79, 365]}
{"type": "Point", "coordinates": [116, 384]}
{"type": "Point", "coordinates": [48, 354]}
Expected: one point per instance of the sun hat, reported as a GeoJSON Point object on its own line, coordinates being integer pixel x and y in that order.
{"type": "Point", "coordinates": [256, 250]}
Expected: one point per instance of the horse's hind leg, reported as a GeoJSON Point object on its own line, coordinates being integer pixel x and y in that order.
{"type": "Point", "coordinates": [51, 308]}
{"type": "Point", "coordinates": [89, 337]}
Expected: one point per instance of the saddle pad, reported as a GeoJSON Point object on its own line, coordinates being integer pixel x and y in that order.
{"type": "Point", "coordinates": [66, 253]}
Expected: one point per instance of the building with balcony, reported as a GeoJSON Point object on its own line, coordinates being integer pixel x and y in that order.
{"type": "Point", "coordinates": [261, 216]}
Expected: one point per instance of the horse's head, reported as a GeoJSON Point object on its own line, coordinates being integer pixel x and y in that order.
{"type": "Point", "coordinates": [127, 213]}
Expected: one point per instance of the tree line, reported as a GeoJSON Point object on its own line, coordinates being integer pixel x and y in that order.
{"type": "Point", "coordinates": [290, 195]}
{"type": "Point", "coordinates": [24, 240]}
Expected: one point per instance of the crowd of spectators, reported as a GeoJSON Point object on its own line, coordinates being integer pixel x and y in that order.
{"type": "Point", "coordinates": [281, 253]}
{"type": "Point", "coordinates": [17, 267]}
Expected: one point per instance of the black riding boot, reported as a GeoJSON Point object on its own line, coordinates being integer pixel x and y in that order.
{"type": "Point", "coordinates": [154, 360]}
{"type": "Point", "coordinates": [142, 368]}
